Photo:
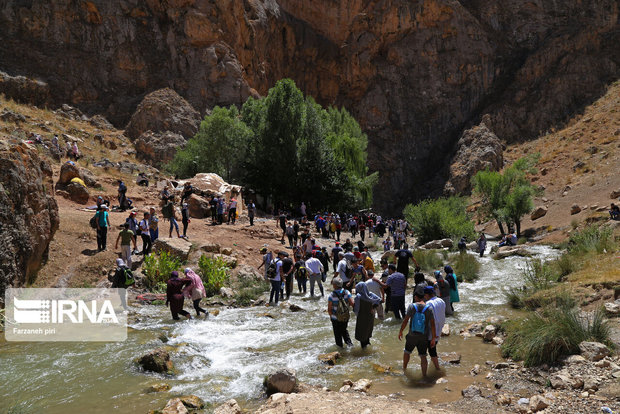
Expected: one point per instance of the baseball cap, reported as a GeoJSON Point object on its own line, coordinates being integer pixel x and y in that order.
{"type": "Point", "coordinates": [429, 289]}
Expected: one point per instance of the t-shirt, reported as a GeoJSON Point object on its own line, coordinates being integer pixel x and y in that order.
{"type": "Point", "coordinates": [126, 236]}
{"type": "Point", "coordinates": [335, 252]}
{"type": "Point", "coordinates": [374, 287]}
{"type": "Point", "coordinates": [282, 221]}
{"type": "Point", "coordinates": [398, 283]}
{"type": "Point", "coordinates": [387, 244]}
{"type": "Point", "coordinates": [102, 216]}
{"type": "Point", "coordinates": [267, 258]}
{"type": "Point", "coordinates": [439, 312]}
{"type": "Point", "coordinates": [287, 264]}
{"type": "Point", "coordinates": [341, 269]}
{"type": "Point", "coordinates": [314, 265]}
{"type": "Point", "coordinates": [403, 256]}
{"type": "Point", "coordinates": [233, 204]}
{"type": "Point", "coordinates": [333, 300]}
{"type": "Point", "coordinates": [428, 314]}
{"type": "Point", "coordinates": [278, 267]}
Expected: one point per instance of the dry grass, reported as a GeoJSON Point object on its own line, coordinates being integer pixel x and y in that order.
{"type": "Point", "coordinates": [602, 268]}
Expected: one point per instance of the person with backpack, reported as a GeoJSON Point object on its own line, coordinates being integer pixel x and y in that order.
{"type": "Point", "coordinates": [398, 285]}
{"type": "Point", "coordinates": [195, 290]}
{"type": "Point", "coordinates": [421, 327]}
{"type": "Point", "coordinates": [175, 297]}
{"type": "Point", "coordinates": [185, 219]}
{"type": "Point", "coordinates": [364, 308]}
{"type": "Point", "coordinates": [301, 275]}
{"type": "Point", "coordinates": [454, 289]}
{"type": "Point", "coordinates": [403, 255]}
{"type": "Point", "coordinates": [438, 307]}
{"type": "Point", "coordinates": [338, 305]}
{"type": "Point", "coordinates": [123, 278]}
{"type": "Point", "coordinates": [315, 270]}
{"type": "Point", "coordinates": [126, 237]}
{"type": "Point", "coordinates": [103, 222]}
{"type": "Point", "coordinates": [143, 230]}
{"type": "Point", "coordinates": [267, 259]}
{"type": "Point", "coordinates": [274, 274]}
{"type": "Point", "coordinates": [290, 233]}
{"type": "Point", "coordinates": [287, 275]}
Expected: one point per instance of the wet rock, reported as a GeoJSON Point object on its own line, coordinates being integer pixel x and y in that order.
{"type": "Point", "coordinates": [294, 308]}
{"type": "Point", "coordinates": [489, 333]}
{"type": "Point", "coordinates": [507, 251]}
{"type": "Point", "coordinates": [157, 360]}
{"type": "Point", "coordinates": [198, 207]}
{"type": "Point", "coordinates": [177, 247]}
{"type": "Point", "coordinates": [593, 351]}
{"type": "Point", "coordinates": [330, 358]}
{"type": "Point", "coordinates": [538, 213]}
{"type": "Point", "coordinates": [227, 292]}
{"type": "Point", "coordinates": [445, 331]}
{"type": "Point", "coordinates": [229, 407]}
{"type": "Point", "coordinates": [175, 406]}
{"type": "Point", "coordinates": [441, 381]}
{"type": "Point", "coordinates": [431, 245]}
{"type": "Point", "coordinates": [448, 243]}
{"type": "Point", "coordinates": [471, 392]}
{"type": "Point", "coordinates": [497, 340]}
{"type": "Point", "coordinates": [475, 370]}
{"type": "Point", "coordinates": [159, 387]}
{"type": "Point", "coordinates": [575, 209]}
{"type": "Point", "coordinates": [362, 385]}
{"type": "Point", "coordinates": [501, 365]}
{"type": "Point", "coordinates": [283, 380]}
{"type": "Point", "coordinates": [612, 308]}
{"type": "Point", "coordinates": [382, 369]}
{"type": "Point", "coordinates": [451, 357]}
{"type": "Point", "coordinates": [538, 403]}
{"type": "Point", "coordinates": [503, 399]}
{"type": "Point", "coordinates": [192, 402]}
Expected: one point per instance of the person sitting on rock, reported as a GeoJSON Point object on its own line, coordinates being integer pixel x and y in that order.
{"type": "Point", "coordinates": [614, 212]}
{"type": "Point", "coordinates": [142, 180]}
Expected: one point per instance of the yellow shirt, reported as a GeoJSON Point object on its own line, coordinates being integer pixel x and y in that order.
{"type": "Point", "coordinates": [369, 264]}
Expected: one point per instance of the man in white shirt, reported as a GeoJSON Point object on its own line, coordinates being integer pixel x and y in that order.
{"type": "Point", "coordinates": [439, 312]}
{"type": "Point", "coordinates": [376, 286]}
{"type": "Point", "coordinates": [341, 269]}
{"type": "Point", "coordinates": [276, 282]}
{"type": "Point", "coordinates": [315, 269]}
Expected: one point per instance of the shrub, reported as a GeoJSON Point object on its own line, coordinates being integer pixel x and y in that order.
{"type": "Point", "coordinates": [214, 273]}
{"type": "Point", "coordinates": [538, 275]}
{"type": "Point", "coordinates": [466, 267]}
{"type": "Point", "coordinates": [565, 265]}
{"type": "Point", "coordinates": [157, 269]}
{"type": "Point", "coordinates": [428, 260]}
{"type": "Point", "coordinates": [548, 297]}
{"type": "Point", "coordinates": [544, 337]}
{"type": "Point", "coordinates": [591, 239]}
{"type": "Point", "coordinates": [439, 219]}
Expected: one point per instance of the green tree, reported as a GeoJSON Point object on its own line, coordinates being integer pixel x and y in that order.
{"type": "Point", "coordinates": [439, 219]}
{"type": "Point", "coordinates": [519, 203]}
{"type": "Point", "coordinates": [219, 146]}
{"type": "Point", "coordinates": [489, 185]}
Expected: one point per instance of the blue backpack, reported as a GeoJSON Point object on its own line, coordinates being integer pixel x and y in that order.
{"type": "Point", "coordinates": [418, 322]}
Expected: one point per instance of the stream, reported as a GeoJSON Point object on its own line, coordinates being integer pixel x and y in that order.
{"type": "Point", "coordinates": [228, 355]}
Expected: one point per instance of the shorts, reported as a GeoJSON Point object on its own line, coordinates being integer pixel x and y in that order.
{"type": "Point", "coordinates": [416, 341]}
{"type": "Point", "coordinates": [432, 352]}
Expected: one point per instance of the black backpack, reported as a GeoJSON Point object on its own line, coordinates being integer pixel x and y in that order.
{"type": "Point", "coordinates": [93, 221]}
{"type": "Point", "coordinates": [271, 270]}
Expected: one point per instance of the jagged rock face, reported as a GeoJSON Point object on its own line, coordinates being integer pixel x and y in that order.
{"type": "Point", "coordinates": [416, 74]}
{"type": "Point", "coordinates": [28, 213]}
{"type": "Point", "coordinates": [478, 149]}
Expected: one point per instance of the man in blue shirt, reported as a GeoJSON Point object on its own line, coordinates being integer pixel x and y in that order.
{"type": "Point", "coordinates": [398, 285]}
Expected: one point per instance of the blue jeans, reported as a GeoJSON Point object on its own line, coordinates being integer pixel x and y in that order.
{"type": "Point", "coordinates": [154, 234]}
{"type": "Point", "coordinates": [173, 223]}
{"type": "Point", "coordinates": [275, 290]}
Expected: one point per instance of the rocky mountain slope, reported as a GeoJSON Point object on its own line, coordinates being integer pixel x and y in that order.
{"type": "Point", "coordinates": [416, 74]}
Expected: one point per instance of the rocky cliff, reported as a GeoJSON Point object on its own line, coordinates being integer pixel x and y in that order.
{"type": "Point", "coordinates": [415, 73]}
{"type": "Point", "coordinates": [28, 213]}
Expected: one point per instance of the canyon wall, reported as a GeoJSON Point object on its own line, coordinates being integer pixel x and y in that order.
{"type": "Point", "coordinates": [415, 73]}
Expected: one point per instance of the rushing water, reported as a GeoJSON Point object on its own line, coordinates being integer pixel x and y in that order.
{"type": "Point", "coordinates": [227, 356]}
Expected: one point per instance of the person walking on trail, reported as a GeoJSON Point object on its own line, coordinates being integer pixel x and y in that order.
{"type": "Point", "coordinates": [232, 211]}
{"type": "Point", "coordinates": [482, 244]}
{"type": "Point", "coordinates": [301, 275]}
{"type": "Point", "coordinates": [133, 224]}
{"type": "Point", "coordinates": [185, 219]}
{"type": "Point", "coordinates": [439, 313]}
{"type": "Point", "coordinates": [170, 215]}
{"type": "Point", "coordinates": [296, 228]}
{"type": "Point", "coordinates": [127, 237]}
{"type": "Point", "coordinates": [398, 285]}
{"type": "Point", "coordinates": [143, 228]}
{"type": "Point", "coordinates": [338, 305]}
{"type": "Point", "coordinates": [220, 210]}
{"type": "Point", "coordinates": [281, 220]}
{"type": "Point", "coordinates": [103, 223]}
{"type": "Point", "coordinates": [388, 291]}
{"type": "Point", "coordinates": [362, 229]}
{"type": "Point", "coordinates": [251, 212]}
{"type": "Point", "coordinates": [335, 254]}
{"type": "Point", "coordinates": [443, 291]}
{"type": "Point", "coordinates": [403, 255]}
{"type": "Point", "coordinates": [153, 225]}
{"type": "Point", "coordinates": [454, 290]}
{"type": "Point", "coordinates": [365, 304]}
{"type": "Point", "coordinates": [290, 233]}
{"type": "Point", "coordinates": [174, 295]}
{"type": "Point", "coordinates": [266, 261]}
{"type": "Point", "coordinates": [374, 285]}
{"type": "Point", "coordinates": [123, 278]}
{"type": "Point", "coordinates": [195, 290]}
{"type": "Point", "coordinates": [315, 271]}
{"type": "Point", "coordinates": [422, 327]}
{"type": "Point", "coordinates": [275, 278]}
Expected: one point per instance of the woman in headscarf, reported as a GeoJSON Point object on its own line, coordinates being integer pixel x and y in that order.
{"type": "Point", "coordinates": [365, 301]}
{"type": "Point", "coordinates": [195, 290]}
{"type": "Point", "coordinates": [454, 290]}
{"type": "Point", "coordinates": [442, 290]}
{"type": "Point", "coordinates": [174, 295]}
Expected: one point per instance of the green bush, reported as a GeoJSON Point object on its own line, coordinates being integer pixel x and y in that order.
{"type": "Point", "coordinates": [214, 273]}
{"type": "Point", "coordinates": [157, 269]}
{"type": "Point", "coordinates": [565, 265]}
{"type": "Point", "coordinates": [439, 219]}
{"type": "Point", "coordinates": [549, 297]}
{"type": "Point", "coordinates": [428, 260]}
{"type": "Point", "coordinates": [538, 276]}
{"type": "Point", "coordinates": [466, 267]}
{"type": "Point", "coordinates": [544, 337]}
{"type": "Point", "coordinates": [592, 239]}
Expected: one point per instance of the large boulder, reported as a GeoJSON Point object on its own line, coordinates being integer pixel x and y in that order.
{"type": "Point", "coordinates": [89, 178]}
{"type": "Point", "coordinates": [198, 207]}
{"type": "Point", "coordinates": [77, 193]}
{"type": "Point", "coordinates": [68, 171]}
{"type": "Point", "coordinates": [283, 380]}
{"type": "Point", "coordinates": [507, 251]}
{"type": "Point", "coordinates": [163, 110]}
{"type": "Point", "coordinates": [28, 214]}
{"type": "Point", "coordinates": [538, 213]}
{"type": "Point", "coordinates": [478, 149]}
{"type": "Point", "coordinates": [158, 148]}
{"type": "Point", "coordinates": [25, 90]}
{"type": "Point", "coordinates": [178, 247]}
{"type": "Point", "coordinates": [593, 351]}
{"type": "Point", "coordinates": [157, 360]}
